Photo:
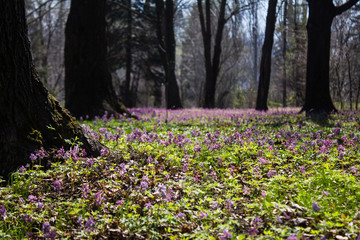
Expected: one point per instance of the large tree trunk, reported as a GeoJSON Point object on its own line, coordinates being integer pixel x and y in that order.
{"type": "Point", "coordinates": [30, 117]}
{"type": "Point", "coordinates": [265, 64]}
{"type": "Point", "coordinates": [317, 97]}
{"type": "Point", "coordinates": [321, 15]}
{"type": "Point", "coordinates": [167, 47]}
{"type": "Point", "coordinates": [88, 86]}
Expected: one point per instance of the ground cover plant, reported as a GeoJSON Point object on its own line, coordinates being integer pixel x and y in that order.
{"type": "Point", "coordinates": [195, 174]}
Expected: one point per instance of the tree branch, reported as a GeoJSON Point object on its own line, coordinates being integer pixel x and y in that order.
{"type": "Point", "coordinates": [342, 8]}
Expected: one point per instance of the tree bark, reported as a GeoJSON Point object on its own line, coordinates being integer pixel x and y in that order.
{"type": "Point", "coordinates": [265, 64]}
{"type": "Point", "coordinates": [88, 85]}
{"type": "Point", "coordinates": [167, 47]}
{"type": "Point", "coordinates": [212, 66]}
{"type": "Point", "coordinates": [128, 98]}
{"type": "Point", "coordinates": [30, 117]}
{"type": "Point", "coordinates": [284, 54]}
{"type": "Point", "coordinates": [321, 15]}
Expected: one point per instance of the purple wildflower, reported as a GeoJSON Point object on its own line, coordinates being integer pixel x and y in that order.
{"type": "Point", "coordinates": [143, 185]}
{"type": "Point", "coordinates": [86, 191]}
{"type": "Point", "coordinates": [325, 193]}
{"type": "Point", "coordinates": [40, 205]}
{"type": "Point", "coordinates": [90, 224]}
{"type": "Point", "coordinates": [46, 228]}
{"type": "Point", "coordinates": [186, 167]}
{"type": "Point", "coordinates": [287, 216]}
{"type": "Point", "coordinates": [271, 173]}
{"type": "Point", "coordinates": [263, 161]}
{"type": "Point", "coordinates": [27, 218]}
{"type": "Point", "coordinates": [180, 215]}
{"type": "Point", "coordinates": [41, 153]}
{"type": "Point", "coordinates": [316, 207]}
{"type": "Point", "coordinates": [22, 169]}
{"type": "Point", "coordinates": [120, 202]}
{"type": "Point", "coordinates": [263, 193]}
{"type": "Point", "coordinates": [52, 235]}
{"type": "Point", "coordinates": [279, 220]}
{"type": "Point", "coordinates": [89, 162]}
{"type": "Point", "coordinates": [197, 148]}
{"type": "Point", "coordinates": [149, 159]}
{"type": "Point", "coordinates": [227, 235]}
{"type": "Point", "coordinates": [32, 198]}
{"type": "Point", "coordinates": [302, 169]}
{"type": "Point", "coordinates": [57, 185]}
{"type": "Point", "coordinates": [257, 220]}
{"type": "Point", "coordinates": [162, 190]}
{"type": "Point", "coordinates": [292, 237]}
{"type": "Point", "coordinates": [60, 153]}
{"type": "Point", "coordinates": [3, 211]}
{"type": "Point", "coordinates": [202, 215]}
{"type": "Point", "coordinates": [229, 204]}
{"type": "Point", "coordinates": [98, 198]}
{"type": "Point", "coordinates": [246, 190]}
{"type": "Point", "coordinates": [148, 205]}
{"type": "Point", "coordinates": [253, 230]}
{"type": "Point", "coordinates": [215, 205]}
{"type": "Point", "coordinates": [104, 152]}
{"type": "Point", "coordinates": [33, 157]}
{"type": "Point", "coordinates": [79, 221]}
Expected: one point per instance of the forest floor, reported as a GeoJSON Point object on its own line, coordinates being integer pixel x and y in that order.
{"type": "Point", "coordinates": [195, 174]}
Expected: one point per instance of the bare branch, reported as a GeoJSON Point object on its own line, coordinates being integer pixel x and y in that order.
{"type": "Point", "coordinates": [342, 8]}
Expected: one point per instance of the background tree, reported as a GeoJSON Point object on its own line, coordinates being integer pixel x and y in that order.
{"type": "Point", "coordinates": [321, 15]}
{"type": "Point", "coordinates": [46, 23]}
{"type": "Point", "coordinates": [212, 56]}
{"type": "Point", "coordinates": [88, 85]}
{"type": "Point", "coordinates": [30, 117]}
{"type": "Point", "coordinates": [167, 45]}
{"type": "Point", "coordinates": [265, 64]}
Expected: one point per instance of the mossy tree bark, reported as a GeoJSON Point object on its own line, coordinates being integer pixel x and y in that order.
{"type": "Point", "coordinates": [88, 85]}
{"type": "Point", "coordinates": [30, 117]}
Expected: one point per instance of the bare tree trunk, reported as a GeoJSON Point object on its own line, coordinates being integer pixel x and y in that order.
{"type": "Point", "coordinates": [128, 98]}
{"type": "Point", "coordinates": [265, 64]}
{"type": "Point", "coordinates": [284, 54]}
{"type": "Point", "coordinates": [88, 85]}
{"type": "Point", "coordinates": [350, 80]}
{"type": "Point", "coordinates": [30, 117]}
{"type": "Point", "coordinates": [167, 47]}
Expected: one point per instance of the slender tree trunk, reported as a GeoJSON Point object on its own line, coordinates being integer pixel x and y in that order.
{"type": "Point", "coordinates": [254, 12]}
{"type": "Point", "coordinates": [265, 64]}
{"type": "Point", "coordinates": [321, 15]}
{"type": "Point", "coordinates": [357, 94]}
{"type": "Point", "coordinates": [350, 81]}
{"type": "Point", "coordinates": [167, 47]}
{"type": "Point", "coordinates": [128, 98]}
{"type": "Point", "coordinates": [205, 23]}
{"type": "Point", "coordinates": [30, 117]}
{"type": "Point", "coordinates": [88, 85]}
{"type": "Point", "coordinates": [284, 54]}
